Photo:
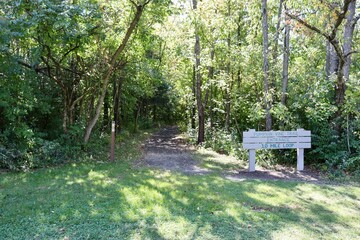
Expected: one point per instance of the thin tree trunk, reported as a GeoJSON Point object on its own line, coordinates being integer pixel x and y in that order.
{"type": "Point", "coordinates": [136, 120]}
{"type": "Point", "coordinates": [285, 77]}
{"type": "Point", "coordinates": [211, 76]}
{"type": "Point", "coordinates": [106, 111]}
{"type": "Point", "coordinates": [328, 59]}
{"type": "Point", "coordinates": [107, 74]}
{"type": "Point", "coordinates": [65, 113]}
{"type": "Point", "coordinates": [193, 107]}
{"type": "Point", "coordinates": [228, 90]}
{"type": "Point", "coordinates": [276, 44]}
{"type": "Point", "coordinates": [267, 96]}
{"type": "Point", "coordinates": [239, 45]}
{"type": "Point", "coordinates": [201, 112]}
{"type": "Point", "coordinates": [117, 104]}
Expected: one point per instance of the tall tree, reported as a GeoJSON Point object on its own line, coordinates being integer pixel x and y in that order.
{"type": "Point", "coordinates": [285, 75]}
{"type": "Point", "coordinates": [199, 101]}
{"type": "Point", "coordinates": [267, 97]}
{"type": "Point", "coordinates": [276, 44]}
{"type": "Point", "coordinates": [228, 87]}
{"type": "Point", "coordinates": [111, 65]}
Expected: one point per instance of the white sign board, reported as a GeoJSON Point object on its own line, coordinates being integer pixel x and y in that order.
{"type": "Point", "coordinates": [299, 139]}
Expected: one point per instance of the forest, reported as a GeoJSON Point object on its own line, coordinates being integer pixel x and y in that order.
{"type": "Point", "coordinates": [215, 68]}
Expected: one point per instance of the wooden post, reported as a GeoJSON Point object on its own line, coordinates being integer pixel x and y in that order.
{"type": "Point", "coordinates": [252, 160]}
{"type": "Point", "coordinates": [112, 144]}
{"type": "Point", "coordinates": [300, 155]}
{"type": "Point", "coordinates": [252, 156]}
{"type": "Point", "coordinates": [300, 159]}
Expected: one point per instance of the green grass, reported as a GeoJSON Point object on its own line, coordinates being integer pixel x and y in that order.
{"type": "Point", "coordinates": [118, 201]}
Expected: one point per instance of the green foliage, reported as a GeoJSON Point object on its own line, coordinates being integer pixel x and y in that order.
{"type": "Point", "coordinates": [221, 141]}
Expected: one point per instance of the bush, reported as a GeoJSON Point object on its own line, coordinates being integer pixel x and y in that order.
{"type": "Point", "coordinates": [42, 153]}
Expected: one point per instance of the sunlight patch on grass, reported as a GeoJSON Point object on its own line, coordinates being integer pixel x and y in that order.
{"type": "Point", "coordinates": [216, 162]}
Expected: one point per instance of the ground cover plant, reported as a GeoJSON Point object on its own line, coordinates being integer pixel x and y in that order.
{"type": "Point", "coordinates": [125, 200]}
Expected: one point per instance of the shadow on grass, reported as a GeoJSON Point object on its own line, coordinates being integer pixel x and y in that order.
{"type": "Point", "coordinates": [114, 201]}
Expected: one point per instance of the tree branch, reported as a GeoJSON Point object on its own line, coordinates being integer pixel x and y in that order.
{"type": "Point", "coordinates": [340, 18]}
{"type": "Point", "coordinates": [352, 52]}
{"type": "Point", "coordinates": [315, 29]}
{"type": "Point", "coordinates": [331, 6]}
{"type": "Point", "coordinates": [134, 3]}
{"type": "Point", "coordinates": [68, 52]}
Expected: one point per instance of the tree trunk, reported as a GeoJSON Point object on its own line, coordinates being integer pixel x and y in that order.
{"type": "Point", "coordinates": [201, 114]}
{"type": "Point", "coordinates": [340, 87]}
{"type": "Point", "coordinates": [118, 89]}
{"type": "Point", "coordinates": [136, 117]}
{"type": "Point", "coordinates": [348, 36]}
{"type": "Point", "coordinates": [239, 45]}
{"type": "Point", "coordinates": [200, 106]}
{"type": "Point", "coordinates": [211, 77]}
{"type": "Point", "coordinates": [276, 44]}
{"type": "Point", "coordinates": [228, 88]}
{"type": "Point", "coordinates": [332, 61]}
{"type": "Point", "coordinates": [193, 107]}
{"type": "Point", "coordinates": [107, 74]}
{"type": "Point", "coordinates": [65, 113]}
{"type": "Point", "coordinates": [267, 96]}
{"type": "Point", "coordinates": [106, 111]}
{"type": "Point", "coordinates": [285, 77]}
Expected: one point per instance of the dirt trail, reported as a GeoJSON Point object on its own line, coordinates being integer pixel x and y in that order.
{"type": "Point", "coordinates": [167, 150]}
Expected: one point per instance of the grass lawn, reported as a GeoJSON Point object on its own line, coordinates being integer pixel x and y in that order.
{"type": "Point", "coordinates": [118, 201]}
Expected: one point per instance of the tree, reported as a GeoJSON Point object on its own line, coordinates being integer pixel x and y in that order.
{"type": "Point", "coordinates": [199, 100]}
{"type": "Point", "coordinates": [111, 65]}
{"type": "Point", "coordinates": [267, 97]}
{"type": "Point", "coordinates": [343, 53]}
{"type": "Point", "coordinates": [285, 77]}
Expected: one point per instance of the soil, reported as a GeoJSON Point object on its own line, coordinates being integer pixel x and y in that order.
{"type": "Point", "coordinates": [168, 150]}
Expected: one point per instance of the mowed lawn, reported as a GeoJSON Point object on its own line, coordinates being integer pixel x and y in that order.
{"type": "Point", "coordinates": [119, 201]}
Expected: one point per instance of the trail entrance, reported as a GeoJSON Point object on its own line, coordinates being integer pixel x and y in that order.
{"type": "Point", "coordinates": [166, 149]}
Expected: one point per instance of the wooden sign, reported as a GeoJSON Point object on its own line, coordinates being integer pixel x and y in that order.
{"type": "Point", "coordinates": [299, 139]}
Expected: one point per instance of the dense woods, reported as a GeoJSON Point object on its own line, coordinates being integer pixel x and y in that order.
{"type": "Point", "coordinates": [216, 68]}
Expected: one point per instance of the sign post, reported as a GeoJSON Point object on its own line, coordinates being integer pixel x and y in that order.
{"type": "Point", "coordinates": [112, 144]}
